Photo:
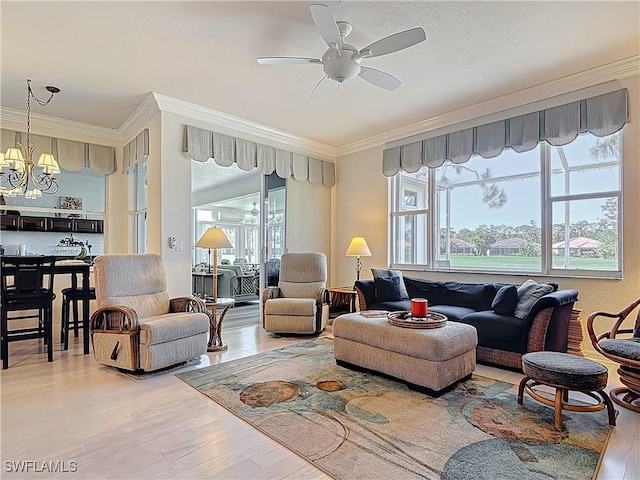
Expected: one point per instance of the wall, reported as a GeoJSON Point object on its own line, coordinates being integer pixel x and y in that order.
{"type": "Point", "coordinates": [308, 227]}
{"type": "Point", "coordinates": [361, 209]}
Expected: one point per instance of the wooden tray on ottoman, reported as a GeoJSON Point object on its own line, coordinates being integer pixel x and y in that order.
{"type": "Point", "coordinates": [432, 320]}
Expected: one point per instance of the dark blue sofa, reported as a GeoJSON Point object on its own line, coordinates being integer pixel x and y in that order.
{"type": "Point", "coordinates": [502, 339]}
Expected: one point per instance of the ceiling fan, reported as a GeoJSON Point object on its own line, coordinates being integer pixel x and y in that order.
{"type": "Point", "coordinates": [341, 62]}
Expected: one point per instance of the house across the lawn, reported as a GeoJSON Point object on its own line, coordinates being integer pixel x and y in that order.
{"type": "Point", "coordinates": [577, 246]}
{"type": "Point", "coordinates": [509, 246]}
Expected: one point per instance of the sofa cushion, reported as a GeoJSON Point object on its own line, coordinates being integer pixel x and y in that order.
{"type": "Point", "coordinates": [452, 312]}
{"type": "Point", "coordinates": [502, 332]}
{"type": "Point", "coordinates": [528, 294]}
{"type": "Point", "coordinates": [423, 288]}
{"type": "Point", "coordinates": [505, 300]}
{"type": "Point", "coordinates": [388, 289]}
{"type": "Point", "coordinates": [477, 296]}
{"type": "Point", "coordinates": [385, 273]}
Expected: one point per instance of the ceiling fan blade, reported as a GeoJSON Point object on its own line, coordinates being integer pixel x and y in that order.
{"type": "Point", "coordinates": [395, 42]}
{"type": "Point", "coordinates": [379, 78]}
{"type": "Point", "coordinates": [326, 25]}
{"type": "Point", "coordinates": [322, 87]}
{"type": "Point", "coordinates": [287, 60]}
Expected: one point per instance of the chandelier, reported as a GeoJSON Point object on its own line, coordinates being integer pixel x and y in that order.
{"type": "Point", "coordinates": [19, 174]}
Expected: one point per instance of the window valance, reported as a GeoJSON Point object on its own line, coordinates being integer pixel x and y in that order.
{"type": "Point", "coordinates": [600, 115]}
{"type": "Point", "coordinates": [136, 151]}
{"type": "Point", "coordinates": [201, 145]}
{"type": "Point", "coordinates": [71, 156]}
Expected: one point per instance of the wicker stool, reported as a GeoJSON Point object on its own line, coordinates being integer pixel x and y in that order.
{"type": "Point", "coordinates": [565, 372]}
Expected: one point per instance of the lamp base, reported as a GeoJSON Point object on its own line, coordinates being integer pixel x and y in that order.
{"type": "Point", "coordinates": [217, 348]}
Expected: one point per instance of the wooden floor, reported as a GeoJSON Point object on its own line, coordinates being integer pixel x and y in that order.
{"type": "Point", "coordinates": [107, 425]}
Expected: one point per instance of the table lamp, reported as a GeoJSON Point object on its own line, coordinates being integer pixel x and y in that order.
{"type": "Point", "coordinates": [358, 248]}
{"type": "Point", "coordinates": [214, 238]}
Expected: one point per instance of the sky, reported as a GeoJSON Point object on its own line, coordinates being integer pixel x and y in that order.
{"type": "Point", "coordinates": [523, 195]}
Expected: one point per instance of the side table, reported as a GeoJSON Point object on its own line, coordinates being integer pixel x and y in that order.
{"type": "Point", "coordinates": [215, 324]}
{"type": "Point", "coordinates": [343, 300]}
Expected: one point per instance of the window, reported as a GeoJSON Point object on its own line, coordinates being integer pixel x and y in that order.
{"type": "Point", "coordinates": [138, 187]}
{"type": "Point", "coordinates": [550, 211]}
{"type": "Point", "coordinates": [409, 222]}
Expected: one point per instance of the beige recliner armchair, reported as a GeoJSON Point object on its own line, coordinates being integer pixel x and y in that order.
{"type": "Point", "coordinates": [137, 326]}
{"type": "Point", "coordinates": [300, 302]}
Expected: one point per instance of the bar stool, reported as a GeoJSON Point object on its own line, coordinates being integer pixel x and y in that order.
{"type": "Point", "coordinates": [70, 298]}
{"type": "Point", "coordinates": [29, 291]}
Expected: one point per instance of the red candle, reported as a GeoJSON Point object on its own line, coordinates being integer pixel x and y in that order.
{"type": "Point", "coordinates": [419, 307]}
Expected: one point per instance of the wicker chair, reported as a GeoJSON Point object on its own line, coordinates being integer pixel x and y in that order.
{"type": "Point", "coordinates": [622, 350]}
{"type": "Point", "coordinates": [137, 326]}
{"type": "Point", "coordinates": [300, 302]}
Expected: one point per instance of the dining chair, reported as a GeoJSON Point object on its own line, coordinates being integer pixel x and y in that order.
{"type": "Point", "coordinates": [25, 288]}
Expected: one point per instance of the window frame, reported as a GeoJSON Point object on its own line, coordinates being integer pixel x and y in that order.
{"type": "Point", "coordinates": [433, 264]}
{"type": "Point", "coordinates": [137, 212]}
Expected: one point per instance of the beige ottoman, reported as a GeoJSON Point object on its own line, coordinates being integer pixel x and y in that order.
{"type": "Point", "coordinates": [429, 360]}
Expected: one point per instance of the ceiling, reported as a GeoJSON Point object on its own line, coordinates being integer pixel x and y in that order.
{"type": "Point", "coordinates": [107, 56]}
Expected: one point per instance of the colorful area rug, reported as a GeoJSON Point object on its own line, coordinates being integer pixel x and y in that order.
{"type": "Point", "coordinates": [359, 425]}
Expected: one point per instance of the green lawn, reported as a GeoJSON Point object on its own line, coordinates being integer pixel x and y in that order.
{"type": "Point", "coordinates": [517, 262]}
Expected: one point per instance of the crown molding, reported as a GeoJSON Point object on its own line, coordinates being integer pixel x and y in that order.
{"type": "Point", "coordinates": [15, 119]}
{"type": "Point", "coordinates": [627, 67]}
{"type": "Point", "coordinates": [258, 130]}
{"type": "Point", "coordinates": [137, 121]}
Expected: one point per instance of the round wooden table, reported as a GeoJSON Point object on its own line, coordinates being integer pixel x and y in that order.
{"type": "Point", "coordinates": [215, 324]}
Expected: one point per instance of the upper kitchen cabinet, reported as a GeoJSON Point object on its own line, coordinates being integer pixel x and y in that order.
{"type": "Point", "coordinates": [9, 221]}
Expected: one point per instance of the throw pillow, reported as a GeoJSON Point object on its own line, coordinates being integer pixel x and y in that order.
{"type": "Point", "coordinates": [528, 294]}
{"type": "Point", "coordinates": [384, 273]}
{"type": "Point", "coordinates": [387, 289]}
{"type": "Point", "coordinates": [505, 300]}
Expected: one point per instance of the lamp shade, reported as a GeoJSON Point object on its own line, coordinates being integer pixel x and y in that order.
{"type": "Point", "coordinates": [214, 237]}
{"type": "Point", "coordinates": [14, 158]}
{"type": "Point", "coordinates": [48, 162]}
{"type": "Point", "coordinates": [358, 248]}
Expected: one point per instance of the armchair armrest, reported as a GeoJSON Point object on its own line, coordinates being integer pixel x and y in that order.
{"type": "Point", "coordinates": [115, 336]}
{"type": "Point", "coordinates": [615, 329]}
{"type": "Point", "coordinates": [322, 296]}
{"type": "Point", "coordinates": [114, 319]}
{"type": "Point", "coordinates": [187, 304]}
{"type": "Point", "coordinates": [270, 292]}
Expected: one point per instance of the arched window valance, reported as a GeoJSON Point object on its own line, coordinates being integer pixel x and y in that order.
{"type": "Point", "coordinates": [600, 115]}
{"type": "Point", "coordinates": [201, 145]}
{"type": "Point", "coordinates": [71, 156]}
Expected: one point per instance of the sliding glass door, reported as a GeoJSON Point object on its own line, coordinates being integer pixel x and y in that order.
{"type": "Point", "coordinates": [272, 222]}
